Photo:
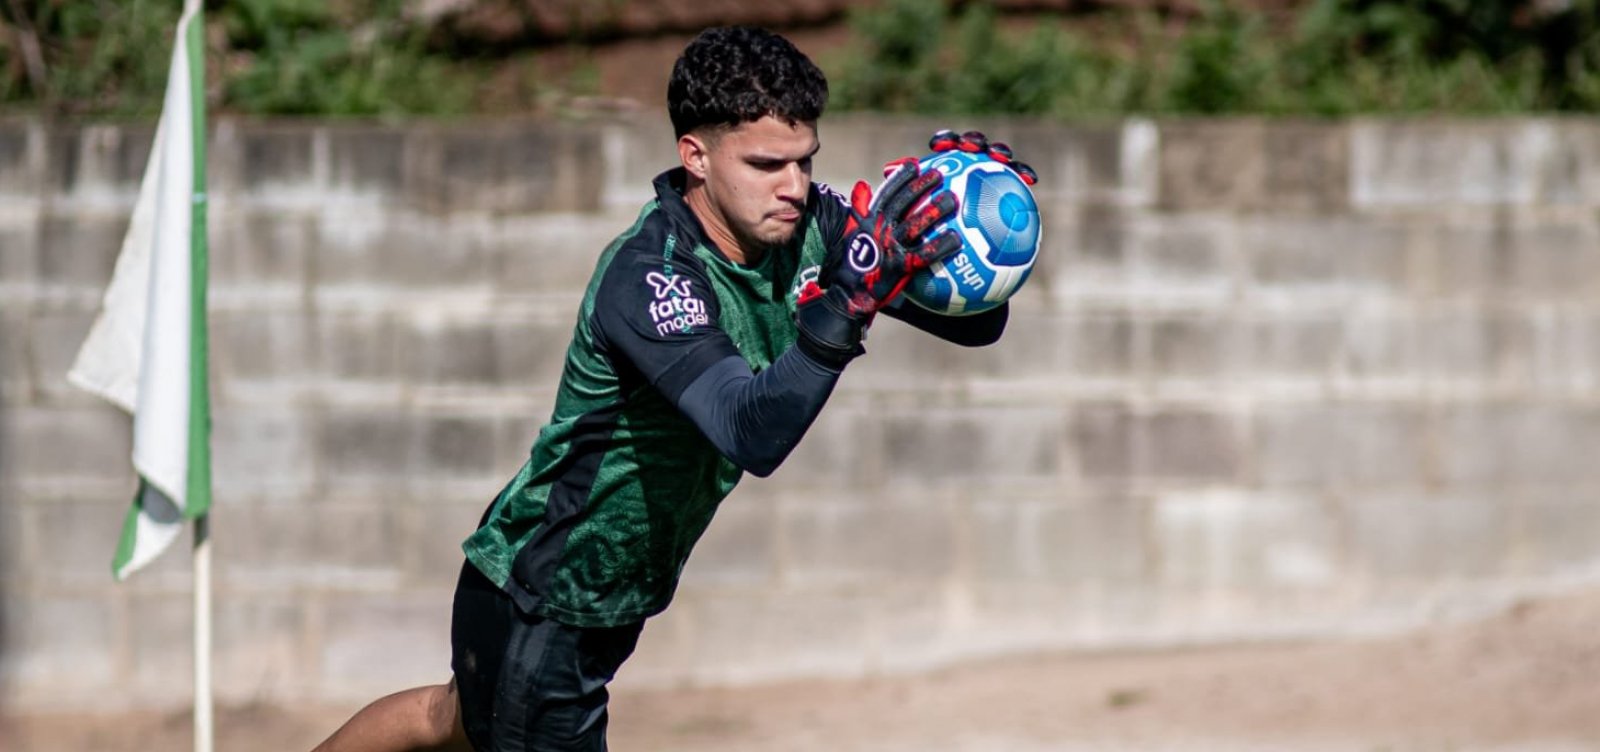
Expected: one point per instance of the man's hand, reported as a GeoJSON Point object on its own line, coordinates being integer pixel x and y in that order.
{"type": "Point", "coordinates": [887, 236]}
{"type": "Point", "coordinates": [975, 142]}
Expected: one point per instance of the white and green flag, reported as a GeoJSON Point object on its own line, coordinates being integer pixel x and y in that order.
{"type": "Point", "coordinates": [147, 350]}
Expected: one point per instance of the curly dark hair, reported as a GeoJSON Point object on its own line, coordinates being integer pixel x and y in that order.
{"type": "Point", "coordinates": [738, 74]}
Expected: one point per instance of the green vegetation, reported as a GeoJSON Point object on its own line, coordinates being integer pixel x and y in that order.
{"type": "Point", "coordinates": [368, 57]}
{"type": "Point", "coordinates": [1334, 57]}
{"type": "Point", "coordinates": [285, 57]}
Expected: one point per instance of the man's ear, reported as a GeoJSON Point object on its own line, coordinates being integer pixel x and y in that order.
{"type": "Point", "coordinates": [694, 151]}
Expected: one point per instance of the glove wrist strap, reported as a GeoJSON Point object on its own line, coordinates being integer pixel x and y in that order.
{"type": "Point", "coordinates": [828, 333]}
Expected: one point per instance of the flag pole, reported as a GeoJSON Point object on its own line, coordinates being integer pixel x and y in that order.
{"type": "Point", "coordinates": [203, 729]}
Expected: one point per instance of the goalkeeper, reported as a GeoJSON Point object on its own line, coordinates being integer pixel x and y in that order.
{"type": "Point", "coordinates": [711, 334]}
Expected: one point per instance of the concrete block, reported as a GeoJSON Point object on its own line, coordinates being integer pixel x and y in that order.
{"type": "Point", "coordinates": [530, 352]}
{"type": "Point", "coordinates": [309, 543]}
{"type": "Point", "coordinates": [1557, 532]}
{"type": "Point", "coordinates": [741, 547]}
{"type": "Point", "coordinates": [261, 646]}
{"type": "Point", "coordinates": [1510, 444]}
{"type": "Point", "coordinates": [358, 345]}
{"type": "Point", "coordinates": [66, 641]}
{"type": "Point", "coordinates": [1472, 346]}
{"type": "Point", "coordinates": [255, 345]}
{"type": "Point", "coordinates": [1212, 164]}
{"type": "Point", "coordinates": [910, 629]}
{"type": "Point", "coordinates": [1046, 346]}
{"type": "Point", "coordinates": [1090, 250]}
{"type": "Point", "coordinates": [509, 169]}
{"type": "Point", "coordinates": [53, 341]}
{"type": "Point", "coordinates": [374, 643]}
{"type": "Point", "coordinates": [1570, 172]}
{"type": "Point", "coordinates": [865, 541]}
{"type": "Point", "coordinates": [79, 250]}
{"type": "Point", "coordinates": [1402, 163]}
{"type": "Point", "coordinates": [1342, 446]}
{"type": "Point", "coordinates": [435, 529]}
{"type": "Point", "coordinates": [1293, 344]}
{"type": "Point", "coordinates": [905, 358]}
{"type": "Point", "coordinates": [1203, 347]}
{"type": "Point", "coordinates": [97, 163]}
{"type": "Point", "coordinates": [15, 366]}
{"type": "Point", "coordinates": [1068, 543]}
{"type": "Point", "coordinates": [638, 150]}
{"type": "Point", "coordinates": [1085, 163]}
{"type": "Point", "coordinates": [161, 637]}
{"type": "Point", "coordinates": [366, 160]}
{"type": "Point", "coordinates": [748, 637]}
{"type": "Point", "coordinates": [81, 538]}
{"type": "Point", "coordinates": [553, 253]}
{"type": "Point", "coordinates": [1419, 537]}
{"type": "Point", "coordinates": [16, 554]}
{"type": "Point", "coordinates": [973, 444]}
{"type": "Point", "coordinates": [1382, 345]}
{"type": "Point", "coordinates": [1215, 540]}
{"type": "Point", "coordinates": [1501, 256]}
{"type": "Point", "coordinates": [257, 249]}
{"type": "Point", "coordinates": [19, 251]}
{"type": "Point", "coordinates": [278, 162]}
{"type": "Point", "coordinates": [1307, 167]}
{"type": "Point", "coordinates": [1328, 254]}
{"type": "Point", "coordinates": [66, 444]}
{"type": "Point", "coordinates": [355, 444]}
{"type": "Point", "coordinates": [21, 157]}
{"type": "Point", "coordinates": [454, 446]}
{"type": "Point", "coordinates": [1103, 441]}
{"type": "Point", "coordinates": [1191, 445]}
{"type": "Point", "coordinates": [369, 251]}
{"type": "Point", "coordinates": [449, 352]}
{"type": "Point", "coordinates": [1186, 256]}
{"type": "Point", "coordinates": [263, 450]}
{"type": "Point", "coordinates": [1567, 354]}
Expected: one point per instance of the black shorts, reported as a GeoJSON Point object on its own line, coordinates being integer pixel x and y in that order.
{"type": "Point", "coordinates": [526, 682]}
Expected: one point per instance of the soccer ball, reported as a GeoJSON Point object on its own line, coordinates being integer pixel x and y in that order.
{"type": "Point", "coordinates": [998, 222]}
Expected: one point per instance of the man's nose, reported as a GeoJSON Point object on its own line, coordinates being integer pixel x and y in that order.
{"type": "Point", "coordinates": [796, 181]}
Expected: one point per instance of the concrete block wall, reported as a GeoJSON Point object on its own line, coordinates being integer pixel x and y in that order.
{"type": "Point", "coordinates": [1271, 378]}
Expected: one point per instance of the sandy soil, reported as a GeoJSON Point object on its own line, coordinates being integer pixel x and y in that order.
{"type": "Point", "coordinates": [1526, 680]}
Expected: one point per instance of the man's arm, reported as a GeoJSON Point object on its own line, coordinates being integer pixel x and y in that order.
{"type": "Point", "coordinates": [661, 319]}
{"type": "Point", "coordinates": [755, 420]}
{"type": "Point", "coordinates": [977, 330]}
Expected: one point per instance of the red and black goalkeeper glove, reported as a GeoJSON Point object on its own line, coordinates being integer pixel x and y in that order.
{"type": "Point", "coordinates": [974, 142]}
{"type": "Point", "coordinates": [888, 241]}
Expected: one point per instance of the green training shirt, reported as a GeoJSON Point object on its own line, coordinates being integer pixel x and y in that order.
{"type": "Point", "coordinates": [596, 527]}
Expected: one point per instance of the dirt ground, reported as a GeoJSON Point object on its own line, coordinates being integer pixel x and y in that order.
{"type": "Point", "coordinates": [1526, 680]}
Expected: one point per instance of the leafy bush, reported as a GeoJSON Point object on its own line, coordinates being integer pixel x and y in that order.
{"type": "Point", "coordinates": [367, 57]}
{"type": "Point", "coordinates": [1338, 57]}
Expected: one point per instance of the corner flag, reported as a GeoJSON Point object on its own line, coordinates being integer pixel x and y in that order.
{"type": "Point", "coordinates": [146, 352]}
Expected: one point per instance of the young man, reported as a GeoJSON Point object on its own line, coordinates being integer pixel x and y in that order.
{"type": "Point", "coordinates": [709, 337]}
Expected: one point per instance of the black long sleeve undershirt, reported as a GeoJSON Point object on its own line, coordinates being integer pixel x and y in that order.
{"type": "Point", "coordinates": [755, 420]}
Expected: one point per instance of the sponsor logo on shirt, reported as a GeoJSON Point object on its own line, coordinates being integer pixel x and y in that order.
{"type": "Point", "coordinates": [675, 309]}
{"type": "Point", "coordinates": [809, 274]}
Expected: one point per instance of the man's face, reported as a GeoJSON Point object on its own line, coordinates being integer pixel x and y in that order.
{"type": "Point", "coordinates": [757, 175]}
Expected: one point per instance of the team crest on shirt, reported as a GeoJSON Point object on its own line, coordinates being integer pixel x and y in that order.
{"type": "Point", "coordinates": [809, 274]}
{"type": "Point", "coordinates": [675, 309]}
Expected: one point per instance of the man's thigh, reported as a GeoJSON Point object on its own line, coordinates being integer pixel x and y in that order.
{"type": "Point", "coordinates": [529, 683]}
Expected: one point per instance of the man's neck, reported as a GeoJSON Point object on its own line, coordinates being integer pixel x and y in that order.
{"type": "Point", "coordinates": [716, 228]}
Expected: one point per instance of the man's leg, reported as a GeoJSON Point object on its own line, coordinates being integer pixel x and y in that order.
{"type": "Point", "coordinates": [424, 719]}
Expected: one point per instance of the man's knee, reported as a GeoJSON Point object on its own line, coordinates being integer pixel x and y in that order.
{"type": "Point", "coordinates": [443, 726]}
